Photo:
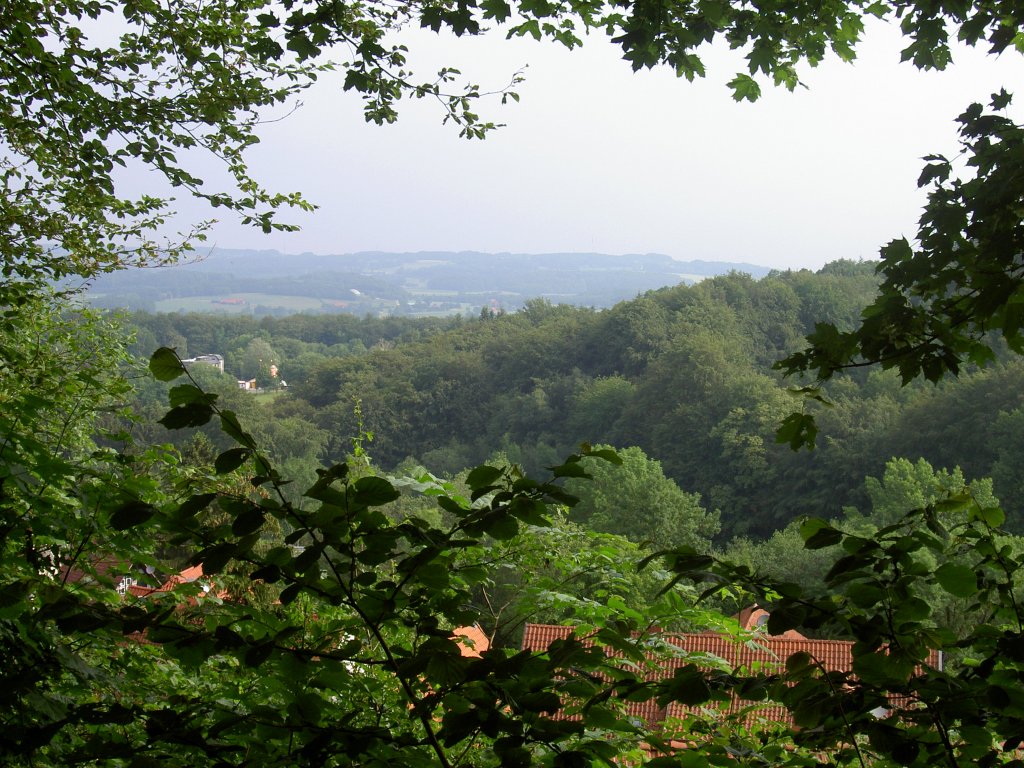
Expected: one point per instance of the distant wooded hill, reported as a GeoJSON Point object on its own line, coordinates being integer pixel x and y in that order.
{"type": "Point", "coordinates": [428, 283]}
{"type": "Point", "coordinates": [683, 374]}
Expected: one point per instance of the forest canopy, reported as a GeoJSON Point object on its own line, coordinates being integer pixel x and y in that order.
{"type": "Point", "coordinates": [320, 629]}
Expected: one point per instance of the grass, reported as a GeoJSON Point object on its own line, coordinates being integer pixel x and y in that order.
{"type": "Point", "coordinates": [251, 301]}
{"type": "Point", "coordinates": [264, 398]}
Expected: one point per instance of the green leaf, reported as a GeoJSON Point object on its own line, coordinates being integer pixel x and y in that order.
{"type": "Point", "coordinates": [449, 504]}
{"type": "Point", "coordinates": [599, 716]}
{"type": "Point", "coordinates": [231, 460]}
{"type": "Point", "coordinates": [213, 559]}
{"type": "Point", "coordinates": [257, 654]}
{"type": "Point", "coordinates": [745, 88]}
{"type": "Point", "coordinates": [501, 526]}
{"type": "Point", "coordinates": [183, 394]}
{"type": "Point", "coordinates": [268, 573]}
{"type": "Point", "coordinates": [677, 762]}
{"type": "Point", "coordinates": [817, 534]}
{"type": "Point", "coordinates": [530, 511]}
{"type": "Point", "coordinates": [308, 706]}
{"type": "Point", "coordinates": [993, 517]}
{"type": "Point", "coordinates": [882, 669]}
{"type": "Point", "coordinates": [683, 560]}
{"type": "Point", "coordinates": [912, 609]}
{"type": "Point", "coordinates": [515, 757]}
{"type": "Point", "coordinates": [230, 426]}
{"type": "Point", "coordinates": [608, 454]}
{"type": "Point", "coordinates": [1001, 100]}
{"type": "Point", "coordinates": [540, 701]}
{"type": "Point", "coordinates": [934, 171]}
{"type": "Point", "coordinates": [953, 504]}
{"type": "Point", "coordinates": [195, 504]}
{"type": "Point", "coordinates": [303, 46]}
{"type": "Point", "coordinates": [800, 662]}
{"type": "Point", "coordinates": [958, 580]}
{"type": "Point", "coordinates": [374, 491]}
{"type": "Point", "coordinates": [785, 617]}
{"type": "Point", "coordinates": [324, 492]}
{"type": "Point", "coordinates": [864, 595]}
{"type": "Point", "coordinates": [570, 469]}
{"type": "Point", "coordinates": [165, 365]}
{"type": "Point", "coordinates": [131, 514]}
{"type": "Point", "coordinates": [289, 593]}
{"type": "Point", "coordinates": [446, 668]}
{"type": "Point", "coordinates": [191, 415]}
{"type": "Point", "coordinates": [250, 521]}
{"type": "Point", "coordinates": [688, 686]}
{"type": "Point", "coordinates": [483, 476]}
{"type": "Point", "coordinates": [843, 566]}
{"type": "Point", "coordinates": [797, 429]}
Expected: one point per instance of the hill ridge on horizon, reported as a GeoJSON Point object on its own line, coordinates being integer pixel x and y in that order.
{"type": "Point", "coordinates": [422, 283]}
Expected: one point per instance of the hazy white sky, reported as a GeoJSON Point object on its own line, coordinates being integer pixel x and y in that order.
{"type": "Point", "coordinates": [596, 158]}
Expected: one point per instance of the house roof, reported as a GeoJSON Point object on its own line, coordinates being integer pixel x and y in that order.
{"type": "Point", "coordinates": [755, 617]}
{"type": "Point", "coordinates": [187, 576]}
{"type": "Point", "coordinates": [472, 641]}
{"type": "Point", "coordinates": [116, 569]}
{"type": "Point", "coordinates": [763, 653]}
{"type": "Point", "coordinates": [101, 567]}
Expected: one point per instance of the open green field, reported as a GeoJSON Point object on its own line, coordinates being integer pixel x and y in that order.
{"type": "Point", "coordinates": [416, 291]}
{"type": "Point", "coordinates": [462, 309]}
{"type": "Point", "coordinates": [268, 396]}
{"type": "Point", "coordinates": [247, 303]}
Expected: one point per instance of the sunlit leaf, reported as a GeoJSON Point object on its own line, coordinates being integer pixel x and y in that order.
{"type": "Point", "coordinates": [165, 365]}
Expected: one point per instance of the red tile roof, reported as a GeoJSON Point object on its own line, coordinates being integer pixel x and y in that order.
{"type": "Point", "coordinates": [187, 576]}
{"type": "Point", "coordinates": [763, 653]}
{"type": "Point", "coordinates": [472, 640]}
{"type": "Point", "coordinates": [754, 617]}
{"type": "Point", "coordinates": [102, 567]}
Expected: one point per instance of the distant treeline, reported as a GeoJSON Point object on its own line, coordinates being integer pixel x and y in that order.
{"type": "Point", "coordinates": [409, 283]}
{"type": "Point", "coordinates": [684, 373]}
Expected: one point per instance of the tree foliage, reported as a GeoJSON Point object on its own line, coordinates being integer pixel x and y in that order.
{"type": "Point", "coordinates": [705, 404]}
{"type": "Point", "coordinates": [878, 592]}
{"type": "Point", "coordinates": [149, 83]}
{"type": "Point", "coordinates": [946, 299]}
{"type": "Point", "coordinates": [89, 87]}
{"type": "Point", "coordinates": [636, 500]}
{"type": "Point", "coordinates": [353, 663]}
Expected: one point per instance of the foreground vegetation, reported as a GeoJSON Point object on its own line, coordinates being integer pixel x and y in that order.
{"type": "Point", "coordinates": [324, 634]}
{"type": "Point", "coordinates": [332, 644]}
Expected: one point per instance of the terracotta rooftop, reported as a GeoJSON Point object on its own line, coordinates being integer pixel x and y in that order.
{"type": "Point", "coordinates": [472, 640]}
{"type": "Point", "coordinates": [764, 653]}
{"type": "Point", "coordinates": [187, 576]}
{"type": "Point", "coordinates": [755, 617]}
{"type": "Point", "coordinates": [101, 567]}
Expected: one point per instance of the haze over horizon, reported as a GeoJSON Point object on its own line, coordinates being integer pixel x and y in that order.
{"type": "Point", "coordinates": [597, 159]}
{"type": "Point", "coordinates": [203, 252]}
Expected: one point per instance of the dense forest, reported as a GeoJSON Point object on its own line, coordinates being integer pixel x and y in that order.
{"type": "Point", "coordinates": [197, 574]}
{"type": "Point", "coordinates": [683, 374]}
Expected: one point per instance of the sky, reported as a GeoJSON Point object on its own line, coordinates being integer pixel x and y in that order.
{"type": "Point", "coordinates": [595, 158]}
